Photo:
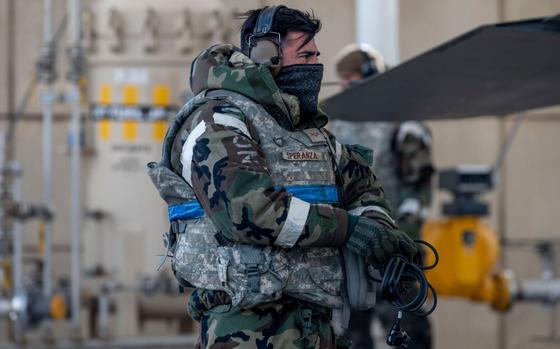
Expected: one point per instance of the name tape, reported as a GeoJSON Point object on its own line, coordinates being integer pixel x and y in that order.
{"type": "Point", "coordinates": [304, 155]}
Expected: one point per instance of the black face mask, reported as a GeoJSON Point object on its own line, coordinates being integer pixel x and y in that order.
{"type": "Point", "coordinates": [304, 82]}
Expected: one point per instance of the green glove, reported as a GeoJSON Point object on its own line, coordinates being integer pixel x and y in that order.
{"type": "Point", "coordinates": [371, 240]}
{"type": "Point", "coordinates": [407, 246]}
{"type": "Point", "coordinates": [376, 242]}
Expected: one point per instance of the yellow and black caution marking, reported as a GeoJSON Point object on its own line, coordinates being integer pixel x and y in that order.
{"type": "Point", "coordinates": [129, 113]}
{"type": "Point", "coordinates": [160, 98]}
{"type": "Point", "coordinates": [104, 125]}
{"type": "Point", "coordinates": [130, 98]}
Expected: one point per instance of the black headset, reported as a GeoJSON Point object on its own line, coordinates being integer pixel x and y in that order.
{"type": "Point", "coordinates": [368, 67]}
{"type": "Point", "coordinates": [265, 45]}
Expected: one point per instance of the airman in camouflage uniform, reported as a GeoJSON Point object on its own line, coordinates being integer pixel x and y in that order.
{"type": "Point", "coordinates": [402, 161]}
{"type": "Point", "coordinates": [229, 180]}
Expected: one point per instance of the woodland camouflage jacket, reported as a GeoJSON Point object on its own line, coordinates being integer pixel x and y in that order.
{"type": "Point", "coordinates": [229, 172]}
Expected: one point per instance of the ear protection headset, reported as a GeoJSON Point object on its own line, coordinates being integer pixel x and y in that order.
{"type": "Point", "coordinates": [368, 67]}
{"type": "Point", "coordinates": [265, 46]}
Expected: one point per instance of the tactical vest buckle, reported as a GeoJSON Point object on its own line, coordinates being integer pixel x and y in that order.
{"type": "Point", "coordinates": [306, 322]}
{"type": "Point", "coordinates": [253, 277]}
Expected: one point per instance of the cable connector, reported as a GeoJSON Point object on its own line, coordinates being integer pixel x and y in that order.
{"type": "Point", "coordinates": [397, 336]}
{"type": "Point", "coordinates": [406, 288]}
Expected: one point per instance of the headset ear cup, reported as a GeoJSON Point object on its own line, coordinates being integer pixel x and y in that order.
{"type": "Point", "coordinates": [368, 67]}
{"type": "Point", "coordinates": [267, 52]}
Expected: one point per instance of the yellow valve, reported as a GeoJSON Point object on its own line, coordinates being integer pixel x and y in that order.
{"type": "Point", "coordinates": [58, 307]}
{"type": "Point", "coordinates": [468, 251]}
{"type": "Point", "coordinates": [495, 290]}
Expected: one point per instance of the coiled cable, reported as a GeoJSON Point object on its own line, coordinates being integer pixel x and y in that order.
{"type": "Point", "coordinates": [405, 287]}
{"type": "Point", "coordinates": [404, 284]}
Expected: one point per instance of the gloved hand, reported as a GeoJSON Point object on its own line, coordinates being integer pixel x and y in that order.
{"type": "Point", "coordinates": [376, 242]}
{"type": "Point", "coordinates": [407, 246]}
{"type": "Point", "coordinates": [371, 240]}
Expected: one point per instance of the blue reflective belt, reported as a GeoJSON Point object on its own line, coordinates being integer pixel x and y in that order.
{"type": "Point", "coordinates": [313, 194]}
{"type": "Point", "coordinates": [186, 210]}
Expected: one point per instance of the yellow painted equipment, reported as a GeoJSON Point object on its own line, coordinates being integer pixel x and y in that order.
{"type": "Point", "coordinates": [468, 251]}
{"type": "Point", "coordinates": [58, 307]}
{"type": "Point", "coordinates": [7, 274]}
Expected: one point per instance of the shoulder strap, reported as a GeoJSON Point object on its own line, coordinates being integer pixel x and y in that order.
{"type": "Point", "coordinates": [246, 105]}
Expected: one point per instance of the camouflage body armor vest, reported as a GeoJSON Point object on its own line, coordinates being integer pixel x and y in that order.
{"type": "Point", "coordinates": [303, 163]}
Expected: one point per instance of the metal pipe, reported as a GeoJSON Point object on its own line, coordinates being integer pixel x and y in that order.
{"type": "Point", "coordinates": [75, 210]}
{"type": "Point", "coordinates": [47, 21]}
{"type": "Point", "coordinates": [47, 101]}
{"type": "Point", "coordinates": [47, 187]}
{"type": "Point", "coordinates": [7, 142]}
{"type": "Point", "coordinates": [539, 291]}
{"type": "Point", "coordinates": [103, 311]}
{"type": "Point", "coordinates": [17, 262]}
{"type": "Point", "coordinates": [75, 162]}
{"type": "Point", "coordinates": [74, 10]}
{"type": "Point", "coordinates": [502, 232]}
{"type": "Point", "coordinates": [5, 307]}
{"type": "Point", "coordinates": [5, 241]}
{"type": "Point", "coordinates": [17, 257]}
{"type": "Point", "coordinates": [11, 79]}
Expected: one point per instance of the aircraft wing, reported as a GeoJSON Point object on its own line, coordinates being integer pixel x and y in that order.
{"type": "Point", "coordinates": [492, 70]}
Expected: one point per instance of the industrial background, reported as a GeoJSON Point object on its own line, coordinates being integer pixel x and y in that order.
{"type": "Point", "coordinates": [137, 55]}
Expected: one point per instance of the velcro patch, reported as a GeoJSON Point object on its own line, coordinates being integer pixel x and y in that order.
{"type": "Point", "coordinates": [303, 155]}
{"type": "Point", "coordinates": [315, 135]}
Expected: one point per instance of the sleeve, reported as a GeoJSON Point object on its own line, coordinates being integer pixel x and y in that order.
{"type": "Point", "coordinates": [226, 168]}
{"type": "Point", "coordinates": [362, 191]}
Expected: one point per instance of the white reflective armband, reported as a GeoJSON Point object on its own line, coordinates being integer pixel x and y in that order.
{"type": "Point", "coordinates": [294, 224]}
{"type": "Point", "coordinates": [188, 148]}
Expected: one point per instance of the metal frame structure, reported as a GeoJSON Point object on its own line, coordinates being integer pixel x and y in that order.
{"type": "Point", "coordinates": [76, 71]}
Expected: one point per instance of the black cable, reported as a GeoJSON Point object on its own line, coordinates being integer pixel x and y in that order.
{"type": "Point", "coordinates": [405, 287]}
{"type": "Point", "coordinates": [404, 284]}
